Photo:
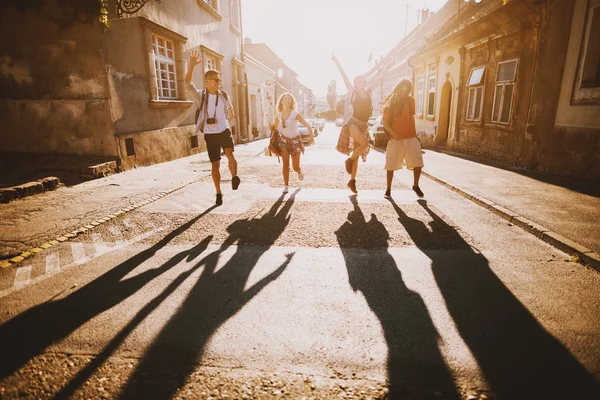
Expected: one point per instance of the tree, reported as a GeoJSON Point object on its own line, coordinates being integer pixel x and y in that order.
{"type": "Point", "coordinates": [331, 94]}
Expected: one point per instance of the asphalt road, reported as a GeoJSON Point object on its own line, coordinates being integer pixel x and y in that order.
{"type": "Point", "coordinates": [313, 294]}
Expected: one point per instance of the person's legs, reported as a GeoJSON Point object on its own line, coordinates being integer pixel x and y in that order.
{"type": "Point", "coordinates": [296, 165]}
{"type": "Point", "coordinates": [390, 178]}
{"type": "Point", "coordinates": [226, 143]}
{"type": "Point", "coordinates": [213, 149]}
{"type": "Point", "coordinates": [285, 169]}
{"type": "Point", "coordinates": [417, 175]}
{"type": "Point", "coordinates": [360, 144]}
{"type": "Point", "coordinates": [414, 161]}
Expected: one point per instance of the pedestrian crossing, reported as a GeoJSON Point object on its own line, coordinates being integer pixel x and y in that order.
{"type": "Point", "coordinates": [69, 254]}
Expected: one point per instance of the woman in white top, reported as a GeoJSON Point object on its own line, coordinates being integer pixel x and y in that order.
{"type": "Point", "coordinates": [291, 141]}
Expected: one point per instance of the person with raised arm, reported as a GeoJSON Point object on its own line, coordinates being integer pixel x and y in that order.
{"type": "Point", "coordinates": [213, 119]}
{"type": "Point", "coordinates": [354, 133]}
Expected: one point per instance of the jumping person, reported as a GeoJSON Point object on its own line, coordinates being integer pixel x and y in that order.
{"type": "Point", "coordinates": [399, 121]}
{"type": "Point", "coordinates": [216, 111]}
{"type": "Point", "coordinates": [290, 140]}
{"type": "Point", "coordinates": [354, 133]}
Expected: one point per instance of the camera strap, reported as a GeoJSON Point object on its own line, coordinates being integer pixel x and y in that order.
{"type": "Point", "coordinates": [206, 108]}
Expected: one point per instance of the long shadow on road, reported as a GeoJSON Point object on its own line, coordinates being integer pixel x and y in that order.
{"type": "Point", "coordinates": [517, 356]}
{"type": "Point", "coordinates": [33, 331]}
{"type": "Point", "coordinates": [416, 368]}
{"type": "Point", "coordinates": [215, 297]}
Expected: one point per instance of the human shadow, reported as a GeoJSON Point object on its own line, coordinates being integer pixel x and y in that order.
{"type": "Point", "coordinates": [31, 332]}
{"type": "Point", "coordinates": [216, 296]}
{"type": "Point", "coordinates": [517, 356]}
{"type": "Point", "coordinates": [416, 368]}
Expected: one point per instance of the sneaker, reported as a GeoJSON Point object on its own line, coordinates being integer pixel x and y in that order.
{"type": "Point", "coordinates": [349, 163]}
{"type": "Point", "coordinates": [286, 189]}
{"type": "Point", "coordinates": [300, 176]}
{"type": "Point", "coordinates": [352, 186]}
{"type": "Point", "coordinates": [235, 182]}
{"type": "Point", "coordinates": [388, 194]}
{"type": "Point", "coordinates": [219, 199]}
{"type": "Point", "coordinates": [418, 191]}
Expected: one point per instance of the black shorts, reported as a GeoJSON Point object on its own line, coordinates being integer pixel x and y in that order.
{"type": "Point", "coordinates": [217, 141]}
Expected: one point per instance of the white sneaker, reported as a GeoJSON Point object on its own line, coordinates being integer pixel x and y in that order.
{"type": "Point", "coordinates": [300, 176]}
{"type": "Point", "coordinates": [286, 189]}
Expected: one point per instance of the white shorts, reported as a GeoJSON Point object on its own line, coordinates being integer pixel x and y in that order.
{"type": "Point", "coordinates": [400, 150]}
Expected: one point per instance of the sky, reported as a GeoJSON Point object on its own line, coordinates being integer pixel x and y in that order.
{"type": "Point", "coordinates": [304, 33]}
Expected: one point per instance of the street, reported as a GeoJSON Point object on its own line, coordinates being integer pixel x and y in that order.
{"type": "Point", "coordinates": [312, 294]}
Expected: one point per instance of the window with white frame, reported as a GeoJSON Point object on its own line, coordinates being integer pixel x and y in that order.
{"type": "Point", "coordinates": [211, 63]}
{"type": "Point", "coordinates": [431, 88]}
{"type": "Point", "coordinates": [212, 3]}
{"type": "Point", "coordinates": [504, 91]}
{"type": "Point", "coordinates": [235, 13]}
{"type": "Point", "coordinates": [164, 63]}
{"type": "Point", "coordinates": [420, 95]}
{"type": "Point", "coordinates": [588, 78]}
{"type": "Point", "coordinates": [475, 99]}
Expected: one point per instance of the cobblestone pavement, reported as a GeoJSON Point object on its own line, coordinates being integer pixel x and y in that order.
{"type": "Point", "coordinates": [311, 294]}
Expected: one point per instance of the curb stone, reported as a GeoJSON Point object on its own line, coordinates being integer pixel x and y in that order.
{"type": "Point", "coordinates": [85, 228]}
{"type": "Point", "coordinates": [586, 255]}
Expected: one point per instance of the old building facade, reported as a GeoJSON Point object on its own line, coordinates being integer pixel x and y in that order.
{"type": "Point", "coordinates": [117, 91]}
{"type": "Point", "coordinates": [510, 83]}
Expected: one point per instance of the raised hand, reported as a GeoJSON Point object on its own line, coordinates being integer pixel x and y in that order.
{"type": "Point", "coordinates": [195, 58]}
{"type": "Point", "coordinates": [334, 58]}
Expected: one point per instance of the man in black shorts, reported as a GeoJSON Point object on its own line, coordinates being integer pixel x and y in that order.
{"type": "Point", "coordinates": [213, 119]}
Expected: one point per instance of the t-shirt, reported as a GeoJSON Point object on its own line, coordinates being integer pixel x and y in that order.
{"type": "Point", "coordinates": [221, 114]}
{"type": "Point", "coordinates": [403, 122]}
{"type": "Point", "coordinates": [362, 107]}
{"type": "Point", "coordinates": [291, 125]}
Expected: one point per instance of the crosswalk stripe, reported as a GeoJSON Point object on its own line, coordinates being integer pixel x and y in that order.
{"type": "Point", "coordinates": [52, 263]}
{"type": "Point", "coordinates": [78, 253]}
{"type": "Point", "coordinates": [23, 276]}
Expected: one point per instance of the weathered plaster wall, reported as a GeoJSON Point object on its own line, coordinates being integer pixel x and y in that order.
{"type": "Point", "coordinates": [258, 76]}
{"type": "Point", "coordinates": [54, 94]}
{"type": "Point", "coordinates": [511, 33]}
{"type": "Point", "coordinates": [135, 107]}
{"type": "Point", "coordinates": [577, 116]}
{"type": "Point", "coordinates": [557, 141]}
{"type": "Point", "coordinates": [173, 143]}
{"type": "Point", "coordinates": [447, 59]}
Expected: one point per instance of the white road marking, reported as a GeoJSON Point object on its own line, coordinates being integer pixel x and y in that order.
{"type": "Point", "coordinates": [23, 276]}
{"type": "Point", "coordinates": [78, 253]}
{"type": "Point", "coordinates": [52, 264]}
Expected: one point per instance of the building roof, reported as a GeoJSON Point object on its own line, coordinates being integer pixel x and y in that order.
{"type": "Point", "coordinates": [263, 53]}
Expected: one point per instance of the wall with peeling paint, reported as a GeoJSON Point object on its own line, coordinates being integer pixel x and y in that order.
{"type": "Point", "coordinates": [54, 95]}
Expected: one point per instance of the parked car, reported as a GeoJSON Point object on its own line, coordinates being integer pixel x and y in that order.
{"type": "Point", "coordinates": [380, 138]}
{"type": "Point", "coordinates": [315, 125]}
{"type": "Point", "coordinates": [304, 135]}
{"type": "Point", "coordinates": [321, 123]}
{"type": "Point", "coordinates": [372, 128]}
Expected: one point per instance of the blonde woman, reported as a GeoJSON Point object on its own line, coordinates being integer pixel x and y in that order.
{"type": "Point", "coordinates": [290, 140]}
{"type": "Point", "coordinates": [353, 136]}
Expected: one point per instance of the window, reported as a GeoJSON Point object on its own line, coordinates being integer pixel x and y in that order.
{"type": "Point", "coordinates": [129, 147]}
{"type": "Point", "coordinates": [211, 63]}
{"type": "Point", "coordinates": [420, 88]}
{"type": "Point", "coordinates": [588, 80]}
{"type": "Point", "coordinates": [475, 99]}
{"type": "Point", "coordinates": [235, 13]}
{"type": "Point", "coordinates": [504, 91]}
{"type": "Point", "coordinates": [431, 96]}
{"type": "Point", "coordinates": [164, 63]}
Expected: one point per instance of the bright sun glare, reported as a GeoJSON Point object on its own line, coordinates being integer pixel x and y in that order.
{"type": "Point", "coordinates": [304, 34]}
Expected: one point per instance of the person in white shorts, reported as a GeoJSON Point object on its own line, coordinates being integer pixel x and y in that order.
{"type": "Point", "coordinates": [403, 146]}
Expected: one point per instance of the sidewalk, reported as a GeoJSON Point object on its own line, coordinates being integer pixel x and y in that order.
{"type": "Point", "coordinates": [33, 221]}
{"type": "Point", "coordinates": [563, 212]}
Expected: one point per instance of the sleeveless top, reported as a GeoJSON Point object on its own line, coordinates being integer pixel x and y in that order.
{"type": "Point", "coordinates": [291, 125]}
{"type": "Point", "coordinates": [362, 107]}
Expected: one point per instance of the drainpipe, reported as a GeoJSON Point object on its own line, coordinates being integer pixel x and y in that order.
{"type": "Point", "coordinates": [244, 106]}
